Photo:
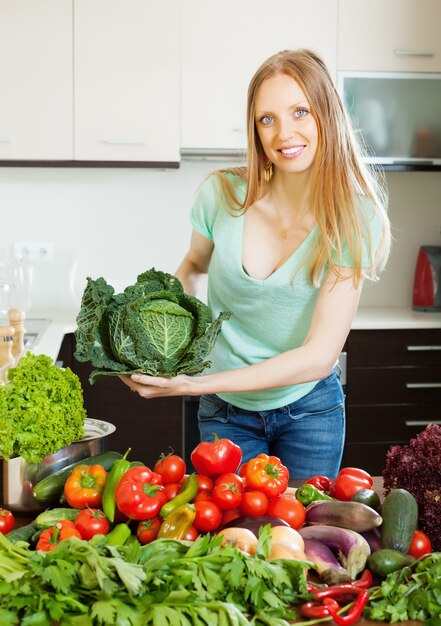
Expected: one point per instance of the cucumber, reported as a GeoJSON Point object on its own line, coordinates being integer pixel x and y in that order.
{"type": "Point", "coordinates": [48, 518]}
{"type": "Point", "coordinates": [385, 561]}
{"type": "Point", "coordinates": [25, 533]}
{"type": "Point", "coordinates": [369, 497]}
{"type": "Point", "coordinates": [400, 517]}
{"type": "Point", "coordinates": [50, 488]}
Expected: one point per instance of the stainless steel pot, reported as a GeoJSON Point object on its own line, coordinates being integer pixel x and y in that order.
{"type": "Point", "coordinates": [19, 476]}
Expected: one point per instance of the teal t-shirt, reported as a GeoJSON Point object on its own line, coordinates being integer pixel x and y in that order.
{"type": "Point", "coordinates": [268, 316]}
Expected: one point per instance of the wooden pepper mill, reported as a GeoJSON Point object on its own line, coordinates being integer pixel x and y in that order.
{"type": "Point", "coordinates": [6, 358]}
{"type": "Point", "coordinates": [16, 320]}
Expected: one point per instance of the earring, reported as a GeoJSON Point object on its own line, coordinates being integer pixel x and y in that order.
{"type": "Point", "coordinates": [267, 171]}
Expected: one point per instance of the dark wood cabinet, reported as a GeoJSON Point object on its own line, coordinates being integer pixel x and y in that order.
{"type": "Point", "coordinates": [148, 427]}
{"type": "Point", "coordinates": [393, 390]}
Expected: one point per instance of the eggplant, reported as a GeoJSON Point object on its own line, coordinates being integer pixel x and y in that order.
{"type": "Point", "coordinates": [350, 547]}
{"type": "Point", "coordinates": [254, 523]}
{"type": "Point", "coordinates": [373, 537]}
{"type": "Point", "coordinates": [353, 515]}
{"type": "Point", "coordinates": [328, 567]}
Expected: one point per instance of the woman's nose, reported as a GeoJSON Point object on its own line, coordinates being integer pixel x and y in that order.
{"type": "Point", "coordinates": [286, 129]}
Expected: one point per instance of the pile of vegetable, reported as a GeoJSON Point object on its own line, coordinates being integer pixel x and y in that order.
{"type": "Point", "coordinates": [41, 409]}
{"type": "Point", "coordinates": [153, 327]}
{"type": "Point", "coordinates": [230, 543]}
{"type": "Point", "coordinates": [417, 468]}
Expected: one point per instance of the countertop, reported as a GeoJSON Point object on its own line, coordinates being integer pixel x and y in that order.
{"type": "Point", "coordinates": [367, 318]}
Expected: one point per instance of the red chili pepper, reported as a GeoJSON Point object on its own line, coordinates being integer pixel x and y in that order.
{"type": "Point", "coordinates": [316, 610]}
{"type": "Point", "coordinates": [319, 482]}
{"type": "Point", "coordinates": [354, 612]}
{"type": "Point", "coordinates": [365, 581]}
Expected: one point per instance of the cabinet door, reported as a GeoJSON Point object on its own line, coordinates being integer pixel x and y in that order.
{"type": "Point", "coordinates": [36, 79]}
{"type": "Point", "coordinates": [223, 47]}
{"type": "Point", "coordinates": [397, 35]}
{"type": "Point", "coordinates": [126, 80]}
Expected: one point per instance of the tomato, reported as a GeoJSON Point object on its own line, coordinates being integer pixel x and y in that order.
{"type": "Point", "coordinates": [319, 482]}
{"type": "Point", "coordinates": [254, 503]}
{"type": "Point", "coordinates": [288, 508]}
{"type": "Point", "coordinates": [227, 516]}
{"type": "Point", "coordinates": [191, 534]}
{"type": "Point", "coordinates": [205, 483]}
{"type": "Point", "coordinates": [242, 470]}
{"type": "Point", "coordinates": [171, 490]}
{"type": "Point", "coordinates": [208, 516]}
{"type": "Point", "coordinates": [202, 496]}
{"type": "Point", "coordinates": [345, 486]}
{"type": "Point", "coordinates": [148, 530]}
{"type": "Point", "coordinates": [419, 545]}
{"type": "Point", "coordinates": [171, 467]}
{"type": "Point", "coordinates": [228, 490]}
{"type": "Point", "coordinates": [91, 522]}
{"type": "Point", "coordinates": [6, 521]}
{"type": "Point", "coordinates": [156, 479]}
{"type": "Point", "coordinates": [213, 458]}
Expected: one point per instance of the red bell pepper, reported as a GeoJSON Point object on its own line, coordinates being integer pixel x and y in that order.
{"type": "Point", "coordinates": [349, 480]}
{"type": "Point", "coordinates": [268, 474]}
{"type": "Point", "coordinates": [51, 537]}
{"type": "Point", "coordinates": [85, 486]}
{"type": "Point", "coordinates": [213, 458]}
{"type": "Point", "coordinates": [137, 497]}
{"type": "Point", "coordinates": [319, 482]}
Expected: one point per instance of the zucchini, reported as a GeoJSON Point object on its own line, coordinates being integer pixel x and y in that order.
{"type": "Point", "coordinates": [385, 561]}
{"type": "Point", "coordinates": [400, 518]}
{"type": "Point", "coordinates": [25, 533]}
{"type": "Point", "coordinates": [50, 488]}
{"type": "Point", "coordinates": [49, 518]}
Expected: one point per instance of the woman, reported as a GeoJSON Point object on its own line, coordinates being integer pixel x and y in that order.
{"type": "Point", "coordinates": [286, 242]}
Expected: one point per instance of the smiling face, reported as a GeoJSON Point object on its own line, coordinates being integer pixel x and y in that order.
{"type": "Point", "coordinates": [286, 128]}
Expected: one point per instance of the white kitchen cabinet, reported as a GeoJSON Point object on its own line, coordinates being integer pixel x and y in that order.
{"type": "Point", "coordinates": [391, 35]}
{"type": "Point", "coordinates": [127, 80]}
{"type": "Point", "coordinates": [35, 80]}
{"type": "Point", "coordinates": [223, 44]}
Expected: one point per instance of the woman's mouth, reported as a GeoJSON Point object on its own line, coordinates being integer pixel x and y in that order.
{"type": "Point", "coordinates": [291, 151]}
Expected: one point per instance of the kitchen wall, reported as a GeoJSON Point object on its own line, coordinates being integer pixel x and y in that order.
{"type": "Point", "coordinates": [118, 222]}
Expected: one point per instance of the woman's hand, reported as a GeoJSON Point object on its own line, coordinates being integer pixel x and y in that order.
{"type": "Point", "coordinates": [156, 386]}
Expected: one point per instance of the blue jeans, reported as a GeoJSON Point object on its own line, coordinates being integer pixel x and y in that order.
{"type": "Point", "coordinates": [307, 435]}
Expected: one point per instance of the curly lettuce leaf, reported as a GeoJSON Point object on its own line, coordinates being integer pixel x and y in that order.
{"type": "Point", "coordinates": [153, 327]}
{"type": "Point", "coordinates": [41, 409]}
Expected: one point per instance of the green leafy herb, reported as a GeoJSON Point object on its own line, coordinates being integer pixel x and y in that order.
{"type": "Point", "coordinates": [412, 593]}
{"type": "Point", "coordinates": [153, 328]}
{"type": "Point", "coordinates": [41, 409]}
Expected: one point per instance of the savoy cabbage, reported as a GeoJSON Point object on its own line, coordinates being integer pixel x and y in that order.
{"type": "Point", "coordinates": [153, 327]}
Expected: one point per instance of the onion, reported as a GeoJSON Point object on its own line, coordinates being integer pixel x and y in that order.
{"type": "Point", "coordinates": [240, 538]}
{"type": "Point", "coordinates": [285, 550]}
{"type": "Point", "coordinates": [286, 534]}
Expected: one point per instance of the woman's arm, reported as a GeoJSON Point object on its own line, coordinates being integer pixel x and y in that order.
{"type": "Point", "coordinates": [195, 262]}
{"type": "Point", "coordinates": [314, 360]}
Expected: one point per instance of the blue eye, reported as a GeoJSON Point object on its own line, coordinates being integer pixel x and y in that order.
{"type": "Point", "coordinates": [301, 112]}
{"type": "Point", "coordinates": [266, 119]}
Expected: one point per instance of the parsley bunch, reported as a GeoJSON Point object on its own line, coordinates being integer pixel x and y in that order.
{"type": "Point", "coordinates": [165, 583]}
{"type": "Point", "coordinates": [412, 593]}
{"type": "Point", "coordinates": [41, 409]}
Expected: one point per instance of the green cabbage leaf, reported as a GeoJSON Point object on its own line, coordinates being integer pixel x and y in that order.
{"type": "Point", "coordinates": [153, 327]}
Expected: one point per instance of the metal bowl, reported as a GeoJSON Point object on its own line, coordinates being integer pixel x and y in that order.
{"type": "Point", "coordinates": [19, 476]}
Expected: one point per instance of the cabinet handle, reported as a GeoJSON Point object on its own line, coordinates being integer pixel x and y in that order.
{"type": "Point", "coordinates": [122, 142]}
{"type": "Point", "coordinates": [421, 422]}
{"type": "Point", "coordinates": [423, 385]}
{"type": "Point", "coordinates": [422, 348]}
{"type": "Point", "coordinates": [413, 53]}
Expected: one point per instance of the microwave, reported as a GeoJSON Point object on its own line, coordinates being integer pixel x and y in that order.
{"type": "Point", "coordinates": [396, 116]}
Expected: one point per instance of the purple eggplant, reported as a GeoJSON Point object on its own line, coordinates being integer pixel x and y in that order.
{"type": "Point", "coordinates": [350, 547]}
{"type": "Point", "coordinates": [353, 515]}
{"type": "Point", "coordinates": [373, 537]}
{"type": "Point", "coordinates": [328, 567]}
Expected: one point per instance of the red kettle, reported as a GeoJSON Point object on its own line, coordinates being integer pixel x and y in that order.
{"type": "Point", "coordinates": [427, 280]}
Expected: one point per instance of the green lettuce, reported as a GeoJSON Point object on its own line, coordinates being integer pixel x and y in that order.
{"type": "Point", "coordinates": [41, 409]}
{"type": "Point", "coordinates": [153, 327]}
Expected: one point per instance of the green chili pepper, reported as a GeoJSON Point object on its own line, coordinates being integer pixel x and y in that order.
{"type": "Point", "coordinates": [186, 494]}
{"type": "Point", "coordinates": [119, 468]}
{"type": "Point", "coordinates": [178, 522]}
{"type": "Point", "coordinates": [308, 493]}
{"type": "Point", "coordinates": [119, 535]}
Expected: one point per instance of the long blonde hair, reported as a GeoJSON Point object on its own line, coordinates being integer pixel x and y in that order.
{"type": "Point", "coordinates": [338, 174]}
